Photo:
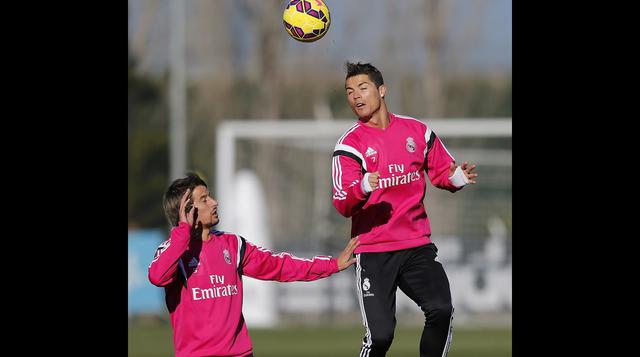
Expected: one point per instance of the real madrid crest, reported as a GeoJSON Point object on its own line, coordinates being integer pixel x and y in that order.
{"type": "Point", "coordinates": [366, 285]}
{"type": "Point", "coordinates": [227, 256]}
{"type": "Point", "coordinates": [411, 145]}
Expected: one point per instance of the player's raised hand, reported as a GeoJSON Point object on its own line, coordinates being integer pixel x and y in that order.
{"type": "Point", "coordinates": [187, 209]}
{"type": "Point", "coordinates": [346, 258]}
{"type": "Point", "coordinates": [467, 171]}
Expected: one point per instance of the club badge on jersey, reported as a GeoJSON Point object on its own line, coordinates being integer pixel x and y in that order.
{"type": "Point", "coordinates": [411, 145]}
{"type": "Point", "coordinates": [227, 256]}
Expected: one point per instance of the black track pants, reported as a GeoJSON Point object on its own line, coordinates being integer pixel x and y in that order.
{"type": "Point", "coordinates": [422, 279]}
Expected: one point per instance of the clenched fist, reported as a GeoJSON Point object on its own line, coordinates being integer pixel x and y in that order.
{"type": "Point", "coordinates": [373, 180]}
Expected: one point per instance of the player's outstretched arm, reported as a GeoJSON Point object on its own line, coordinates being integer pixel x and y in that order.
{"type": "Point", "coordinates": [261, 263]}
{"type": "Point", "coordinates": [442, 170]}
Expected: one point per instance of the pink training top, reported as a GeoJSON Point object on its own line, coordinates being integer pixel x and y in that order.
{"type": "Point", "coordinates": [391, 217]}
{"type": "Point", "coordinates": [203, 287]}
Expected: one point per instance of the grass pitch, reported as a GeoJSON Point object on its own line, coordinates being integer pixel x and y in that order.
{"type": "Point", "coordinates": [156, 341]}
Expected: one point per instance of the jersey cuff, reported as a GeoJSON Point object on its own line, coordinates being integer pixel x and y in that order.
{"type": "Point", "coordinates": [458, 179]}
{"type": "Point", "coordinates": [334, 266]}
{"type": "Point", "coordinates": [359, 193]}
{"type": "Point", "coordinates": [365, 186]}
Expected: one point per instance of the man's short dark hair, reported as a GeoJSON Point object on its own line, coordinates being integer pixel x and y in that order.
{"type": "Point", "coordinates": [354, 69]}
{"type": "Point", "coordinates": [171, 198]}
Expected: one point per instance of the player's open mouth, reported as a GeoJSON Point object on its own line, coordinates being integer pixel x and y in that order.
{"type": "Point", "coordinates": [360, 105]}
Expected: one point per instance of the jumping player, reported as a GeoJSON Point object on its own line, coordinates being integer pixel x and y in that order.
{"type": "Point", "coordinates": [380, 167]}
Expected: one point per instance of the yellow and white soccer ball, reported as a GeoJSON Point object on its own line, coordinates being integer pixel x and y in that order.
{"type": "Point", "coordinates": [306, 20]}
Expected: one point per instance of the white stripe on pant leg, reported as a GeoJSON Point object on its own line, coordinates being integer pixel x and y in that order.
{"type": "Point", "coordinates": [360, 302]}
{"type": "Point", "coordinates": [366, 348]}
{"type": "Point", "coordinates": [447, 345]}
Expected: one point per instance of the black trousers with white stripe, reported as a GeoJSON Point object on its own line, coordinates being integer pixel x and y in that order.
{"type": "Point", "coordinates": [423, 279]}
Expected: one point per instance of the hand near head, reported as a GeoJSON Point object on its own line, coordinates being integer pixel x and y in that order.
{"type": "Point", "coordinates": [345, 259]}
{"type": "Point", "coordinates": [465, 169]}
{"type": "Point", "coordinates": [189, 214]}
{"type": "Point", "coordinates": [185, 216]}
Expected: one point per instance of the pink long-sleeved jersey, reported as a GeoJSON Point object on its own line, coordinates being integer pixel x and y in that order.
{"type": "Point", "coordinates": [203, 287]}
{"type": "Point", "coordinates": [393, 216]}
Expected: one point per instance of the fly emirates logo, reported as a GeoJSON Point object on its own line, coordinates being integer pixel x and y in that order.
{"type": "Point", "coordinates": [398, 177]}
{"type": "Point", "coordinates": [217, 290]}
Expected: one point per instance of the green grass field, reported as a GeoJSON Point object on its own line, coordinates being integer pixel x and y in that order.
{"type": "Point", "coordinates": [156, 341]}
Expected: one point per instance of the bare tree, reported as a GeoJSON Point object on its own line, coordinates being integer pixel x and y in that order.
{"type": "Point", "coordinates": [140, 44]}
{"type": "Point", "coordinates": [435, 40]}
{"type": "Point", "coordinates": [210, 75]}
{"type": "Point", "coordinates": [266, 14]}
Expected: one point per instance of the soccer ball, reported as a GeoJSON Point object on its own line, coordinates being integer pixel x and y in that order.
{"type": "Point", "coordinates": [306, 20]}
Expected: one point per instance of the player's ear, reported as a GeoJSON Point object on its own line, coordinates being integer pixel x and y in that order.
{"type": "Point", "coordinates": [382, 90]}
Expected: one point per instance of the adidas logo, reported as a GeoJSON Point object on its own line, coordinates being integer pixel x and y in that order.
{"type": "Point", "coordinates": [370, 152]}
{"type": "Point", "coordinates": [193, 262]}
